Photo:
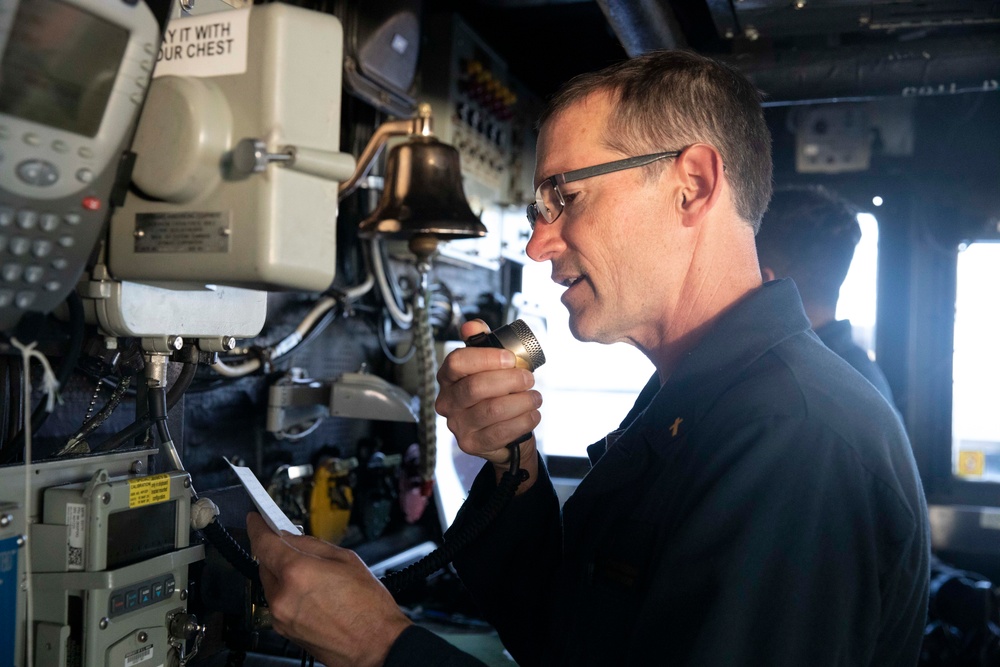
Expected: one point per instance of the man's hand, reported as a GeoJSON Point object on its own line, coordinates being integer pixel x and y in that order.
{"type": "Point", "coordinates": [489, 403]}
{"type": "Point", "coordinates": [324, 598]}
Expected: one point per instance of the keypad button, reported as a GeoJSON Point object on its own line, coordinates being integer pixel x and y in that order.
{"type": "Point", "coordinates": [169, 586]}
{"type": "Point", "coordinates": [84, 175]}
{"type": "Point", "coordinates": [41, 248]}
{"type": "Point", "coordinates": [27, 219]}
{"type": "Point", "coordinates": [6, 297]}
{"type": "Point", "coordinates": [19, 246]}
{"type": "Point", "coordinates": [60, 146]}
{"type": "Point", "coordinates": [117, 604]}
{"type": "Point", "coordinates": [72, 218]}
{"type": "Point", "coordinates": [85, 153]}
{"type": "Point", "coordinates": [59, 263]}
{"type": "Point", "coordinates": [131, 599]}
{"type": "Point", "coordinates": [145, 595]}
{"type": "Point", "coordinates": [24, 299]}
{"type": "Point", "coordinates": [33, 273]}
{"type": "Point", "coordinates": [7, 216]}
{"type": "Point", "coordinates": [67, 241]}
{"type": "Point", "coordinates": [49, 222]}
{"type": "Point", "coordinates": [53, 285]}
{"type": "Point", "coordinates": [158, 591]}
{"type": "Point", "coordinates": [32, 139]}
{"type": "Point", "coordinates": [37, 172]}
{"type": "Point", "coordinates": [11, 272]}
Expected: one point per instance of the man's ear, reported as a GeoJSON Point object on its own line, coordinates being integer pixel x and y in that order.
{"type": "Point", "coordinates": [700, 170]}
{"type": "Point", "coordinates": [767, 273]}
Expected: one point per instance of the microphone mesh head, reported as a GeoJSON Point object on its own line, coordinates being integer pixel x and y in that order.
{"type": "Point", "coordinates": [532, 348]}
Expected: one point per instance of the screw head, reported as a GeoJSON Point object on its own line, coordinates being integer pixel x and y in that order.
{"type": "Point", "coordinates": [105, 622]}
{"type": "Point", "coordinates": [142, 637]}
{"type": "Point", "coordinates": [6, 520]}
{"type": "Point", "coordinates": [106, 498]}
{"type": "Point", "coordinates": [138, 467]}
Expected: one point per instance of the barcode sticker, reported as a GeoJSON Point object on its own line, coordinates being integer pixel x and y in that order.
{"type": "Point", "coordinates": [76, 535]}
{"type": "Point", "coordinates": [138, 656]}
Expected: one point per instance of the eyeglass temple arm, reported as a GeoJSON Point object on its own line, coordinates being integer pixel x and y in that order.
{"type": "Point", "coordinates": [618, 165]}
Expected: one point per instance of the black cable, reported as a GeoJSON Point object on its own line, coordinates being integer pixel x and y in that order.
{"type": "Point", "coordinates": [114, 400]}
{"type": "Point", "coordinates": [144, 423]}
{"type": "Point", "coordinates": [471, 529]}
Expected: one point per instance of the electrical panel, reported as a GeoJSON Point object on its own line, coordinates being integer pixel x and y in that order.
{"type": "Point", "coordinates": [481, 110]}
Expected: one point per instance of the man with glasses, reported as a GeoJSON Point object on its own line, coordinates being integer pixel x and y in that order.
{"type": "Point", "coordinates": [759, 505]}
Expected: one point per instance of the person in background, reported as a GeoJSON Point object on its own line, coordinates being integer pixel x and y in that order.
{"type": "Point", "coordinates": [809, 234]}
{"type": "Point", "coordinates": [759, 504]}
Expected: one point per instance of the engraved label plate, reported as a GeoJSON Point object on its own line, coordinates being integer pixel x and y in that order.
{"type": "Point", "coordinates": [193, 231]}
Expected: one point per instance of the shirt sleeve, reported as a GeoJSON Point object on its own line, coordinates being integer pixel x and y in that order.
{"type": "Point", "coordinates": [508, 569]}
{"type": "Point", "coordinates": [419, 647]}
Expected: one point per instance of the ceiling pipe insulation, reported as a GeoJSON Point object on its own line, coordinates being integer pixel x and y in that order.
{"type": "Point", "coordinates": [917, 68]}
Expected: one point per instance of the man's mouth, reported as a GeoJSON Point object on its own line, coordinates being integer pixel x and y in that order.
{"type": "Point", "coordinates": [569, 282]}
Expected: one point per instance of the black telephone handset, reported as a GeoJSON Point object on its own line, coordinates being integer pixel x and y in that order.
{"type": "Point", "coordinates": [73, 78]}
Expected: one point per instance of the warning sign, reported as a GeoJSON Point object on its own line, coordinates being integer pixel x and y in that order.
{"type": "Point", "coordinates": [208, 45]}
{"type": "Point", "coordinates": [148, 490]}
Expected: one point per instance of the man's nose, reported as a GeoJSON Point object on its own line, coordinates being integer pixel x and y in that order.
{"type": "Point", "coordinates": [546, 241]}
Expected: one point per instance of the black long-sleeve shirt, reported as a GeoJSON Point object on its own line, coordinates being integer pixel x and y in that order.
{"type": "Point", "coordinates": [762, 507]}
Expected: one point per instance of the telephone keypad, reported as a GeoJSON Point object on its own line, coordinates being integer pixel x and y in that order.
{"type": "Point", "coordinates": [31, 260]}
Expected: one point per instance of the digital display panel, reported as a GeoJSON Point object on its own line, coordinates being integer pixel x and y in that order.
{"type": "Point", "coordinates": [59, 66]}
{"type": "Point", "coordinates": [138, 534]}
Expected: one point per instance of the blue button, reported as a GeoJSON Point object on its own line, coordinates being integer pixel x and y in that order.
{"type": "Point", "coordinates": [145, 595]}
{"type": "Point", "coordinates": [157, 591]}
{"type": "Point", "coordinates": [131, 599]}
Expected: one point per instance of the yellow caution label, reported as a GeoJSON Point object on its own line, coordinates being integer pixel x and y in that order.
{"type": "Point", "coordinates": [971, 463]}
{"type": "Point", "coordinates": [148, 490]}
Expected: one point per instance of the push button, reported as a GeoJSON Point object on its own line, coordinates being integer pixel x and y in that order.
{"type": "Point", "coordinates": [117, 604]}
{"type": "Point", "coordinates": [145, 595]}
{"type": "Point", "coordinates": [37, 172]}
{"type": "Point", "coordinates": [24, 299]}
{"type": "Point", "coordinates": [27, 219]}
{"type": "Point", "coordinates": [131, 599]}
{"type": "Point", "coordinates": [49, 222]}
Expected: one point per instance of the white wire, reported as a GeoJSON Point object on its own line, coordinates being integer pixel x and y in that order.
{"type": "Point", "coordinates": [402, 319]}
{"type": "Point", "coordinates": [359, 290]}
{"type": "Point", "coordinates": [51, 385]}
{"type": "Point", "coordinates": [284, 346]}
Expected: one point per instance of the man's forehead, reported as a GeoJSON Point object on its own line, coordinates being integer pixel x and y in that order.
{"type": "Point", "coordinates": [574, 133]}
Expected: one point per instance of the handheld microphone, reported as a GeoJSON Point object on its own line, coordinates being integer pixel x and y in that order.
{"type": "Point", "coordinates": [517, 338]}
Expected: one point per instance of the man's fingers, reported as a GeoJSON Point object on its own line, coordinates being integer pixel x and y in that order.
{"type": "Point", "coordinates": [466, 361]}
{"type": "Point", "coordinates": [473, 327]}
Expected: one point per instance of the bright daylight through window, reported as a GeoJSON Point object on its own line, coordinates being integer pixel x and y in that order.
{"type": "Point", "coordinates": [976, 365]}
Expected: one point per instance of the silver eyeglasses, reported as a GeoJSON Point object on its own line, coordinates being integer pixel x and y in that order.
{"type": "Point", "coordinates": [549, 201]}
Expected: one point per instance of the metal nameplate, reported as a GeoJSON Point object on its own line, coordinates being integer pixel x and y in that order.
{"type": "Point", "coordinates": [190, 231]}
